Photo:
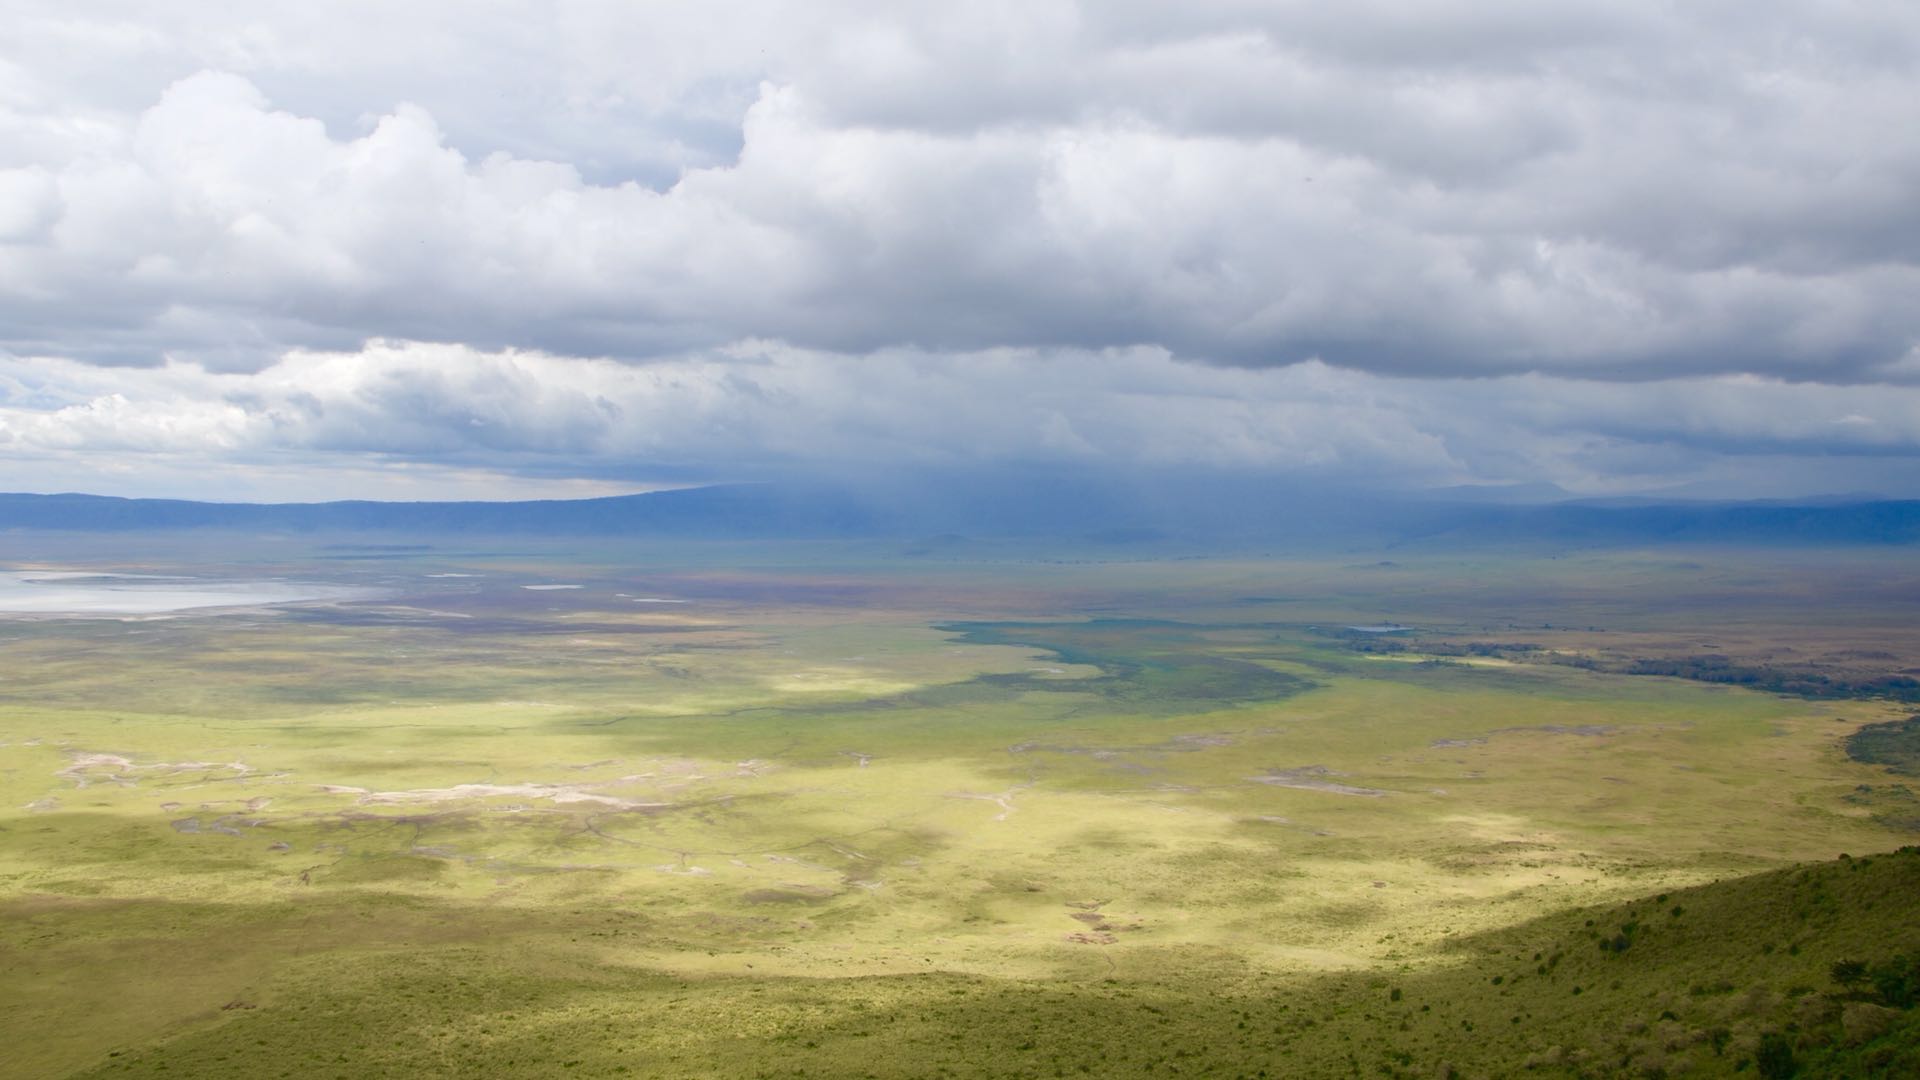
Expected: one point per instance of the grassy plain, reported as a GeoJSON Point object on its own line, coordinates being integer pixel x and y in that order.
{"type": "Point", "coordinates": [792, 810]}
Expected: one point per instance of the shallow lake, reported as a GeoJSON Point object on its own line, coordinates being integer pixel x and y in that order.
{"type": "Point", "coordinates": [58, 592]}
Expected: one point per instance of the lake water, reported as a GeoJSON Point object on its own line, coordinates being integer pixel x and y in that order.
{"type": "Point", "coordinates": [44, 592]}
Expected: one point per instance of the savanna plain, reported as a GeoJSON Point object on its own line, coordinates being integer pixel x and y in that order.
{"type": "Point", "coordinates": [478, 808]}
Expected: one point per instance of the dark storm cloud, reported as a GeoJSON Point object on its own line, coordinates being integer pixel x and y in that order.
{"type": "Point", "coordinates": [772, 409]}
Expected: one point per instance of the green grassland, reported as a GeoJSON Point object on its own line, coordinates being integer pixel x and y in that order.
{"type": "Point", "coordinates": [792, 812]}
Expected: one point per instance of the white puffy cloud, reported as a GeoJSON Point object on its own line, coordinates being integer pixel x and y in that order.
{"type": "Point", "coordinates": [1639, 191]}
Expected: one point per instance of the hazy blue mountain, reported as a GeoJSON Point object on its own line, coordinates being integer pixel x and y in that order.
{"type": "Point", "coordinates": [1089, 507]}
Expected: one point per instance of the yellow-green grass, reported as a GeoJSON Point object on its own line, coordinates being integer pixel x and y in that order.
{"type": "Point", "coordinates": [378, 834]}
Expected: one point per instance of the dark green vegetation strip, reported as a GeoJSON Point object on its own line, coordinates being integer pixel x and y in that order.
{"type": "Point", "coordinates": [1795, 682]}
{"type": "Point", "coordinates": [1145, 665]}
{"type": "Point", "coordinates": [1895, 744]}
{"type": "Point", "coordinates": [1798, 683]}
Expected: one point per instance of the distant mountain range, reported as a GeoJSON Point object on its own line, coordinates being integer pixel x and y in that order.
{"type": "Point", "coordinates": [1098, 510]}
{"type": "Point", "coordinates": [738, 510]}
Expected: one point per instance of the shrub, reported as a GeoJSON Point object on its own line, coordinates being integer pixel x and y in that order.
{"type": "Point", "coordinates": [1774, 1059]}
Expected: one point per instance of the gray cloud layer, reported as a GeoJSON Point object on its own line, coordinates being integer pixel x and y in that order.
{"type": "Point", "coordinates": [758, 408]}
{"type": "Point", "coordinates": [1680, 239]}
{"type": "Point", "coordinates": [1629, 191]}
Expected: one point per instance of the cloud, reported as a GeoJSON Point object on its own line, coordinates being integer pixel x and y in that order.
{"type": "Point", "coordinates": [759, 409]}
{"type": "Point", "coordinates": [1637, 192]}
{"type": "Point", "coordinates": [1632, 247]}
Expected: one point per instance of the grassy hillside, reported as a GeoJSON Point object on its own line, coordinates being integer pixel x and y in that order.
{"type": "Point", "coordinates": [1731, 977]}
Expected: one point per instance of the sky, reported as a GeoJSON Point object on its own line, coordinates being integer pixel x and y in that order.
{"type": "Point", "coordinates": [503, 250]}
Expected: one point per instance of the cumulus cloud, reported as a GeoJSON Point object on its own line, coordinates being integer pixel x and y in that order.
{"type": "Point", "coordinates": [1635, 192]}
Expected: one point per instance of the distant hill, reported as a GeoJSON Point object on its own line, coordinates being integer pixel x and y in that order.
{"type": "Point", "coordinates": [1093, 509]}
{"type": "Point", "coordinates": [1879, 522]}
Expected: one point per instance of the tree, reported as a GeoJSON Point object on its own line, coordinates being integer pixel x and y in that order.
{"type": "Point", "coordinates": [1774, 1060]}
